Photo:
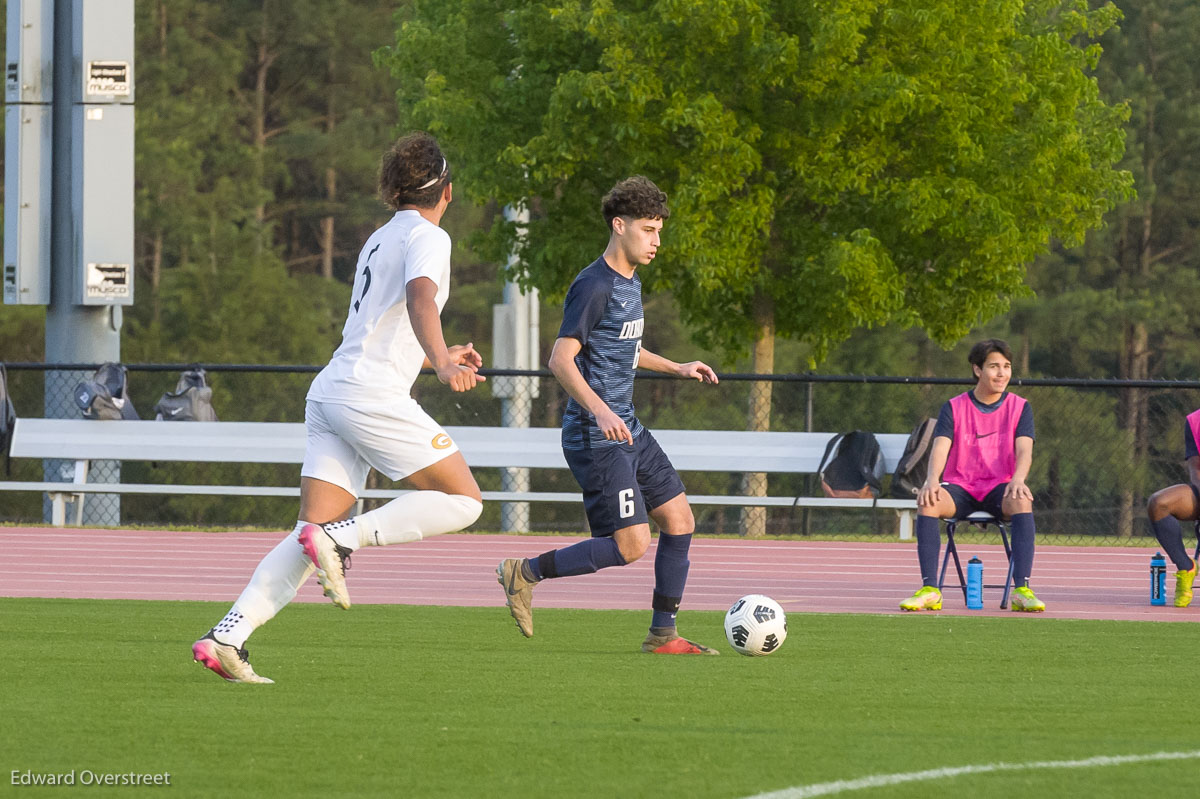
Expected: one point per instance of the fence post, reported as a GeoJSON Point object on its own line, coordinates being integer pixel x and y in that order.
{"type": "Point", "coordinates": [515, 345]}
{"type": "Point", "coordinates": [754, 484]}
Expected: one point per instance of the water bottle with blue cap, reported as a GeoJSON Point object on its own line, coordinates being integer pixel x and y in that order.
{"type": "Point", "coordinates": [1158, 579]}
{"type": "Point", "coordinates": [975, 584]}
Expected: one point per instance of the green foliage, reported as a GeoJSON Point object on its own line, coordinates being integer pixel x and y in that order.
{"type": "Point", "coordinates": [191, 163]}
{"type": "Point", "coordinates": [256, 121]}
{"type": "Point", "coordinates": [1122, 304]}
{"type": "Point", "coordinates": [1143, 267]}
{"type": "Point", "coordinates": [22, 332]}
{"type": "Point", "coordinates": [248, 311]}
{"type": "Point", "coordinates": [831, 165]}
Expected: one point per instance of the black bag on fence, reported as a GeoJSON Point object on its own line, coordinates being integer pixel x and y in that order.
{"type": "Point", "coordinates": [191, 401]}
{"type": "Point", "coordinates": [106, 395]}
{"type": "Point", "coordinates": [856, 468]}
{"type": "Point", "coordinates": [913, 466]}
{"type": "Point", "coordinates": [8, 417]}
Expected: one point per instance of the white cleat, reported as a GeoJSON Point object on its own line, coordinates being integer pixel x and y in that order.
{"type": "Point", "coordinates": [331, 561]}
{"type": "Point", "coordinates": [226, 661]}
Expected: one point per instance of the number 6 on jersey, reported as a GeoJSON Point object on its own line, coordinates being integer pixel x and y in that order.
{"type": "Point", "coordinates": [626, 500]}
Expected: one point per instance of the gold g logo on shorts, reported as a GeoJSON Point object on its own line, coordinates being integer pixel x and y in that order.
{"type": "Point", "coordinates": [441, 441]}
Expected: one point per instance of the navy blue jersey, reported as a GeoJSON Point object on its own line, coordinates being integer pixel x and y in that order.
{"type": "Point", "coordinates": [1189, 443]}
{"type": "Point", "coordinates": [603, 311]}
{"type": "Point", "coordinates": [945, 421]}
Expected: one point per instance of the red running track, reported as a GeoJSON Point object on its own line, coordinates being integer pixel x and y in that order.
{"type": "Point", "coordinates": [1075, 582]}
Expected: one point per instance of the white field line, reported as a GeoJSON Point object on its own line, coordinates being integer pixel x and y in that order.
{"type": "Point", "coordinates": [882, 780]}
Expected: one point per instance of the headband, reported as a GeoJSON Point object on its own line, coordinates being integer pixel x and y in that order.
{"type": "Point", "coordinates": [432, 181]}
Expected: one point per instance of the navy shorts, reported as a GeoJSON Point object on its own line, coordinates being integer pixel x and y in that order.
{"type": "Point", "coordinates": [965, 504]}
{"type": "Point", "coordinates": [621, 483]}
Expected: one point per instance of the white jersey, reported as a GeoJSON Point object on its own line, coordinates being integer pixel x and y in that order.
{"type": "Point", "coordinates": [380, 357]}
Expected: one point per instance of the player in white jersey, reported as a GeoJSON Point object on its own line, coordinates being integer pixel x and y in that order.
{"type": "Point", "coordinates": [360, 414]}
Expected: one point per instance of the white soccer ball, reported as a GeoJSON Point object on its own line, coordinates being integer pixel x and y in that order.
{"type": "Point", "coordinates": [756, 625]}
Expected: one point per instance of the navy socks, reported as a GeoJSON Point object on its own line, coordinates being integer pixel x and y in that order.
{"type": "Point", "coordinates": [1170, 537]}
{"type": "Point", "coordinates": [1021, 527]}
{"type": "Point", "coordinates": [670, 575]}
{"type": "Point", "coordinates": [929, 543]}
{"type": "Point", "coordinates": [584, 557]}
{"type": "Point", "coordinates": [670, 569]}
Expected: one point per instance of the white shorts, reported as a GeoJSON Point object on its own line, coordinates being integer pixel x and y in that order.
{"type": "Point", "coordinates": [345, 442]}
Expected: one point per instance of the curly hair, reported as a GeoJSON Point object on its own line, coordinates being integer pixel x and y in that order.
{"type": "Point", "coordinates": [635, 198]}
{"type": "Point", "coordinates": [413, 172]}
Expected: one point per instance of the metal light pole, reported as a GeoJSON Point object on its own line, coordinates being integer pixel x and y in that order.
{"type": "Point", "coordinates": [69, 192]}
{"type": "Point", "coordinates": [515, 326]}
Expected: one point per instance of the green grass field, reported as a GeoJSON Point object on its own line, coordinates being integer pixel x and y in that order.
{"type": "Point", "coordinates": [416, 702]}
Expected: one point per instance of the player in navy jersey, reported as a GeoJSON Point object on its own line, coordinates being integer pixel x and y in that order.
{"type": "Point", "coordinates": [1179, 503]}
{"type": "Point", "coordinates": [625, 476]}
{"type": "Point", "coordinates": [981, 454]}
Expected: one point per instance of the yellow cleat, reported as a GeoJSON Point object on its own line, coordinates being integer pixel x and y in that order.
{"type": "Point", "coordinates": [926, 598]}
{"type": "Point", "coordinates": [1024, 600]}
{"type": "Point", "coordinates": [1183, 586]}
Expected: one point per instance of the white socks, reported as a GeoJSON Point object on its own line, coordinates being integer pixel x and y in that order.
{"type": "Point", "coordinates": [275, 582]}
{"type": "Point", "coordinates": [233, 629]}
{"type": "Point", "coordinates": [409, 517]}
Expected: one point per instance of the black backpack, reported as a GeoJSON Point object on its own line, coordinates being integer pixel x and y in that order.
{"type": "Point", "coordinates": [191, 401]}
{"type": "Point", "coordinates": [106, 395]}
{"type": "Point", "coordinates": [913, 467]}
{"type": "Point", "coordinates": [856, 469]}
{"type": "Point", "coordinates": [8, 417]}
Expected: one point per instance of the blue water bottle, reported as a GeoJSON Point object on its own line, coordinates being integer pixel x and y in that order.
{"type": "Point", "coordinates": [975, 584]}
{"type": "Point", "coordinates": [1158, 579]}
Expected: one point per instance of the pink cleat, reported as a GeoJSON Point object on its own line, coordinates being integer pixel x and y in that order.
{"type": "Point", "coordinates": [228, 662]}
{"type": "Point", "coordinates": [331, 561]}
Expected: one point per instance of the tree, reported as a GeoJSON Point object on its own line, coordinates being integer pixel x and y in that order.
{"type": "Point", "coordinates": [831, 165]}
{"type": "Point", "coordinates": [207, 271]}
{"type": "Point", "coordinates": [1125, 298]}
{"type": "Point", "coordinates": [240, 141]}
{"type": "Point", "coordinates": [326, 115]}
{"type": "Point", "coordinates": [191, 166]}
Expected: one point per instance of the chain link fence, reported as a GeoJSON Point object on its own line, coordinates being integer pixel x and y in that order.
{"type": "Point", "coordinates": [1102, 446]}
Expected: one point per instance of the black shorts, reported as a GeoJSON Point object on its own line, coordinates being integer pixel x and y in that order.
{"type": "Point", "coordinates": [965, 504]}
{"type": "Point", "coordinates": [621, 483]}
